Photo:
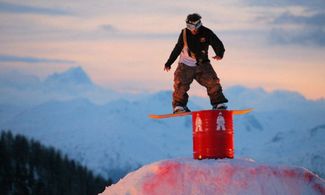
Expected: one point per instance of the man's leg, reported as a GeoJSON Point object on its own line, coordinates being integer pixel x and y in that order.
{"type": "Point", "coordinates": [208, 78]}
{"type": "Point", "coordinates": [183, 77]}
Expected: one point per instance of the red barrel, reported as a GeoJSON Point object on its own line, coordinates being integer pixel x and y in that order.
{"type": "Point", "coordinates": [213, 134]}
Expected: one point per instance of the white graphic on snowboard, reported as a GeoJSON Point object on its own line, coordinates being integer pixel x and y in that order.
{"type": "Point", "coordinates": [221, 122]}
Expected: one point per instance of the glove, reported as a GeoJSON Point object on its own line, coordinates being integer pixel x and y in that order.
{"type": "Point", "coordinates": [167, 67]}
{"type": "Point", "coordinates": [217, 57]}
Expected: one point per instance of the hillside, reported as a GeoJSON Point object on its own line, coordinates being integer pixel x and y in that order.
{"type": "Point", "coordinates": [28, 167]}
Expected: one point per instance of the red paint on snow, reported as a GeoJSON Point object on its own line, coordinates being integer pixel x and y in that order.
{"type": "Point", "coordinates": [290, 173]}
{"type": "Point", "coordinates": [310, 178]}
{"type": "Point", "coordinates": [165, 174]}
{"type": "Point", "coordinates": [224, 178]}
{"type": "Point", "coordinates": [319, 188]}
{"type": "Point", "coordinates": [217, 177]}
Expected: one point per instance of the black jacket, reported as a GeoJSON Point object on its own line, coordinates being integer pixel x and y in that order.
{"type": "Point", "coordinates": [198, 44]}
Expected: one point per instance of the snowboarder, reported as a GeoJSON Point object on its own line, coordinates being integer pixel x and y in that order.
{"type": "Point", "coordinates": [221, 122]}
{"type": "Point", "coordinates": [198, 123]}
{"type": "Point", "coordinates": [192, 47]}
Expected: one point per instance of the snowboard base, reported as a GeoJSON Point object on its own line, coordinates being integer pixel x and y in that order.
{"type": "Point", "coordinates": [162, 116]}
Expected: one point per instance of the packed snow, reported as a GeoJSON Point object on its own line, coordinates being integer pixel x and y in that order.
{"type": "Point", "coordinates": [210, 177]}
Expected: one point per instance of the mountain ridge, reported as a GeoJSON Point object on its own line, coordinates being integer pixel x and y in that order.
{"type": "Point", "coordinates": [91, 132]}
{"type": "Point", "coordinates": [72, 76]}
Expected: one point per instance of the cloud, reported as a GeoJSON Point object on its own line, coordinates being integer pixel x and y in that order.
{"type": "Point", "coordinates": [104, 30]}
{"type": "Point", "coordinates": [108, 28]}
{"type": "Point", "coordinates": [11, 58]}
{"type": "Point", "coordinates": [316, 4]}
{"type": "Point", "coordinates": [312, 37]}
{"type": "Point", "coordinates": [28, 9]}
{"type": "Point", "coordinates": [295, 22]}
{"type": "Point", "coordinates": [312, 20]}
{"type": "Point", "coordinates": [309, 30]}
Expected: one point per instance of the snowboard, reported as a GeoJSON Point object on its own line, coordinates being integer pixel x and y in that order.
{"type": "Point", "coordinates": [162, 116]}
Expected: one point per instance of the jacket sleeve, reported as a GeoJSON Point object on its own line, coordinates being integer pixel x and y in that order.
{"type": "Point", "coordinates": [216, 44]}
{"type": "Point", "coordinates": [176, 51]}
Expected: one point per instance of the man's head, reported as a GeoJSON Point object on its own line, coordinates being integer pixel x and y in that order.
{"type": "Point", "coordinates": [193, 22]}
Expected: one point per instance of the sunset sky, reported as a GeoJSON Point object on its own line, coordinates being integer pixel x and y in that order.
{"type": "Point", "coordinates": [124, 44]}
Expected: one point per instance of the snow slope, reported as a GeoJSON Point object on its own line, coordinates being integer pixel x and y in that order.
{"type": "Point", "coordinates": [120, 133]}
{"type": "Point", "coordinates": [210, 177]}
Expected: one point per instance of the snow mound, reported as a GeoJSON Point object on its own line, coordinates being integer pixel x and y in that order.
{"type": "Point", "coordinates": [226, 176]}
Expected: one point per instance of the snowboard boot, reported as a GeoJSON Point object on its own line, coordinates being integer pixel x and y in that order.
{"type": "Point", "coordinates": [221, 106]}
{"type": "Point", "coordinates": [181, 109]}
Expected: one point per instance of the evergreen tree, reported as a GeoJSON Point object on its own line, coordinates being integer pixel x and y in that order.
{"type": "Point", "coordinates": [27, 167]}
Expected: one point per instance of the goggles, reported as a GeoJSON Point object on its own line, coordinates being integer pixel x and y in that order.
{"type": "Point", "coordinates": [193, 25]}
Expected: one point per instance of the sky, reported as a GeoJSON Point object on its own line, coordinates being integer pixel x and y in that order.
{"type": "Point", "coordinates": [123, 45]}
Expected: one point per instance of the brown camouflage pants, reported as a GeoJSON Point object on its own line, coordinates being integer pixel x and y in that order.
{"type": "Point", "coordinates": [204, 75]}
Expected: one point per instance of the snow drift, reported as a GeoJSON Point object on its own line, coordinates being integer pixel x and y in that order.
{"type": "Point", "coordinates": [236, 176]}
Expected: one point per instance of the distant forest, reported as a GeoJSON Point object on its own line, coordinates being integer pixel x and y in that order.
{"type": "Point", "coordinates": [27, 167]}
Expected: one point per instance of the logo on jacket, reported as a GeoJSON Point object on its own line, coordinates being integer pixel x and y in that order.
{"type": "Point", "coordinates": [203, 39]}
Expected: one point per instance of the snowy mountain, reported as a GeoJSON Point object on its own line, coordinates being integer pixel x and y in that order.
{"type": "Point", "coordinates": [284, 128]}
{"type": "Point", "coordinates": [209, 177]}
{"type": "Point", "coordinates": [24, 89]}
{"type": "Point", "coordinates": [120, 133]}
{"type": "Point", "coordinates": [18, 80]}
{"type": "Point", "coordinates": [73, 76]}
{"type": "Point", "coordinates": [92, 134]}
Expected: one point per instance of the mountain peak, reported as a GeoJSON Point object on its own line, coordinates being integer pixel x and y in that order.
{"type": "Point", "coordinates": [74, 75]}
